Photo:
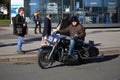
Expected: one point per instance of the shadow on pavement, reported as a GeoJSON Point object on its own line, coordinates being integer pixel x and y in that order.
{"type": "Point", "coordinates": [105, 58]}
{"type": "Point", "coordinates": [95, 60]}
{"type": "Point", "coordinates": [26, 41]}
{"type": "Point", "coordinates": [29, 51]}
{"type": "Point", "coordinates": [5, 45]}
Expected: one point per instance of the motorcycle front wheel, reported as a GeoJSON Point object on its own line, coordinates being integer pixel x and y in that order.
{"type": "Point", "coordinates": [43, 60]}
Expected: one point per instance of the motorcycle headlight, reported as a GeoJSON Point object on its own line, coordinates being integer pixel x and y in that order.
{"type": "Point", "coordinates": [52, 39]}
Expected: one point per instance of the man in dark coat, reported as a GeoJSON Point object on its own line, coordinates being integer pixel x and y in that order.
{"type": "Point", "coordinates": [64, 23]}
{"type": "Point", "coordinates": [47, 26]}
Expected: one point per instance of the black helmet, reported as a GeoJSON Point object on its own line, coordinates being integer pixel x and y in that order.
{"type": "Point", "coordinates": [74, 18]}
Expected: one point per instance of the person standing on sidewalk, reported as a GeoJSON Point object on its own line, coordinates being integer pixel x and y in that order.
{"type": "Point", "coordinates": [47, 26]}
{"type": "Point", "coordinates": [21, 24]}
{"type": "Point", "coordinates": [37, 21]}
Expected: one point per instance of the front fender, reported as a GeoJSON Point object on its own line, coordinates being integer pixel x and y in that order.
{"type": "Point", "coordinates": [45, 48]}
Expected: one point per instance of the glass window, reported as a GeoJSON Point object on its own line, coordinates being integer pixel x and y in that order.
{"type": "Point", "coordinates": [88, 11]}
{"type": "Point", "coordinates": [93, 11]}
{"type": "Point", "coordinates": [101, 11]}
{"type": "Point", "coordinates": [53, 7]}
{"type": "Point", "coordinates": [30, 8]}
{"type": "Point", "coordinates": [79, 10]}
{"type": "Point", "coordinates": [111, 11]}
{"type": "Point", "coordinates": [119, 12]}
{"type": "Point", "coordinates": [66, 7]}
{"type": "Point", "coordinates": [93, 3]}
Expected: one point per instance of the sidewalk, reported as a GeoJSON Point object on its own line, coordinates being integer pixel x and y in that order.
{"type": "Point", "coordinates": [107, 40]}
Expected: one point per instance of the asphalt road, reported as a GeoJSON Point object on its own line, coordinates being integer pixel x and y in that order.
{"type": "Point", "coordinates": [107, 68]}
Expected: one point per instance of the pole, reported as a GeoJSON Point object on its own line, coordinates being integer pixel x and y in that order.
{"type": "Point", "coordinates": [62, 8]}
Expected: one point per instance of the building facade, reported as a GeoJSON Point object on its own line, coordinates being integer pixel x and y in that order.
{"type": "Point", "coordinates": [88, 11]}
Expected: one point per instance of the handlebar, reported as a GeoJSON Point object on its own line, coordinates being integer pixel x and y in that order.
{"type": "Point", "coordinates": [63, 36]}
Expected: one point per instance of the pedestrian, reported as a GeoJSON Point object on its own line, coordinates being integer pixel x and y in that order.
{"type": "Point", "coordinates": [37, 21]}
{"type": "Point", "coordinates": [75, 29]}
{"type": "Point", "coordinates": [47, 26]}
{"type": "Point", "coordinates": [64, 23]}
{"type": "Point", "coordinates": [21, 29]}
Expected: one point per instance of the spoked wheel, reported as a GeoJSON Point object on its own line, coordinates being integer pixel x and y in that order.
{"type": "Point", "coordinates": [43, 61]}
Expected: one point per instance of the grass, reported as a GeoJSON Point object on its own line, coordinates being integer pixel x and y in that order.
{"type": "Point", "coordinates": [6, 21]}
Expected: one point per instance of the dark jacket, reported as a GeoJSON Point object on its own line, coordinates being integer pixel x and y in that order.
{"type": "Point", "coordinates": [19, 23]}
{"type": "Point", "coordinates": [73, 30]}
{"type": "Point", "coordinates": [47, 27]}
{"type": "Point", "coordinates": [64, 23]}
{"type": "Point", "coordinates": [36, 18]}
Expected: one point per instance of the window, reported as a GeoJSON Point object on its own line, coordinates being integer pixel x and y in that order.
{"type": "Point", "coordinates": [111, 9]}
{"type": "Point", "coordinates": [88, 11]}
{"type": "Point", "coordinates": [52, 8]}
{"type": "Point", "coordinates": [93, 12]}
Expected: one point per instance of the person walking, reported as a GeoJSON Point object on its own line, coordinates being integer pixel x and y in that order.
{"type": "Point", "coordinates": [37, 21]}
{"type": "Point", "coordinates": [21, 29]}
{"type": "Point", "coordinates": [64, 23]}
{"type": "Point", "coordinates": [47, 26]}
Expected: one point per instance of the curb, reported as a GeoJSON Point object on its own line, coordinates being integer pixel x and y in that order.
{"type": "Point", "coordinates": [4, 25]}
{"type": "Point", "coordinates": [28, 57]}
{"type": "Point", "coordinates": [110, 51]}
{"type": "Point", "coordinates": [16, 58]}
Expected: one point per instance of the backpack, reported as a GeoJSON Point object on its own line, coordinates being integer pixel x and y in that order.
{"type": "Point", "coordinates": [14, 25]}
{"type": "Point", "coordinates": [14, 21]}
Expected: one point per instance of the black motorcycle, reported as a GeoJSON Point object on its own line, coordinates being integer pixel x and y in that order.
{"type": "Point", "coordinates": [57, 49]}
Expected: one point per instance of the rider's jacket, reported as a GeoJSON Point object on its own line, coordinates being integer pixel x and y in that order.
{"type": "Point", "coordinates": [72, 31]}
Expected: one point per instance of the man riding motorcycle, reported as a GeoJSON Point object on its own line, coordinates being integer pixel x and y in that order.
{"type": "Point", "coordinates": [75, 29]}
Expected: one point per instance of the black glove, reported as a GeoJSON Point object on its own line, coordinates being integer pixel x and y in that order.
{"type": "Point", "coordinates": [57, 31]}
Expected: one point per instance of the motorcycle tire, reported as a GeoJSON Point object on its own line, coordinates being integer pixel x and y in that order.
{"type": "Point", "coordinates": [43, 61]}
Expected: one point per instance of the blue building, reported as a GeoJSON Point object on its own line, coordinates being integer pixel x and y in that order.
{"type": "Point", "coordinates": [89, 12]}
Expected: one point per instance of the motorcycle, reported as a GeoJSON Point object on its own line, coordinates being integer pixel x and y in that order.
{"type": "Point", "coordinates": [57, 48]}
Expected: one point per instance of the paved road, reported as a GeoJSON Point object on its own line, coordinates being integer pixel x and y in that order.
{"type": "Point", "coordinates": [107, 68]}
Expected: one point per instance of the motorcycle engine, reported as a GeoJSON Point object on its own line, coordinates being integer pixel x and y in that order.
{"type": "Point", "coordinates": [75, 56]}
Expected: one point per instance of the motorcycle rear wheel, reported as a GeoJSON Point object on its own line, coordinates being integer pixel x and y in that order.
{"type": "Point", "coordinates": [43, 61]}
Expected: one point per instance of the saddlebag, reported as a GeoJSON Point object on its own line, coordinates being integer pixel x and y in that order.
{"type": "Point", "coordinates": [91, 51]}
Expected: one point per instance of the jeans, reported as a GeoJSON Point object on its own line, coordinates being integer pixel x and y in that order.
{"type": "Point", "coordinates": [37, 25]}
{"type": "Point", "coordinates": [71, 46]}
{"type": "Point", "coordinates": [19, 44]}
